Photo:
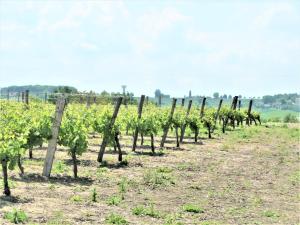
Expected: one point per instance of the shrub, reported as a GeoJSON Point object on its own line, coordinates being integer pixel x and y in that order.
{"type": "Point", "coordinates": [289, 118]}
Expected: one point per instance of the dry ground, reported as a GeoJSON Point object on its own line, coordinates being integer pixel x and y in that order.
{"type": "Point", "coordinates": [247, 176]}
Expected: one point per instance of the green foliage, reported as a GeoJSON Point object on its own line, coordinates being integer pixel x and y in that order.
{"type": "Point", "coordinates": [94, 195]}
{"type": "Point", "coordinates": [16, 216]}
{"type": "Point", "coordinates": [269, 213]}
{"type": "Point", "coordinates": [76, 198]}
{"type": "Point", "coordinates": [114, 200]}
{"type": "Point", "coordinates": [290, 118]}
{"type": "Point", "coordinates": [141, 210]}
{"type": "Point", "coordinates": [158, 177]}
{"type": "Point", "coordinates": [116, 219]}
{"type": "Point", "coordinates": [192, 208]}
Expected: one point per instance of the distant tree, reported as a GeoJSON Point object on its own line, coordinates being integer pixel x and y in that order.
{"type": "Point", "coordinates": [240, 96]}
{"type": "Point", "coordinates": [157, 93]}
{"type": "Point", "coordinates": [216, 95]}
{"type": "Point", "coordinates": [104, 93]}
{"type": "Point", "coordinates": [224, 96]}
{"type": "Point", "coordinates": [268, 99]}
{"type": "Point", "coordinates": [65, 89]}
{"type": "Point", "coordinates": [229, 96]}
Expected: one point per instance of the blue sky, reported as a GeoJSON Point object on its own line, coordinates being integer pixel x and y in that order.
{"type": "Point", "coordinates": [234, 47]}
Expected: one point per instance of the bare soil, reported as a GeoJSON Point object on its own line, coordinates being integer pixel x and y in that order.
{"type": "Point", "coordinates": [247, 176]}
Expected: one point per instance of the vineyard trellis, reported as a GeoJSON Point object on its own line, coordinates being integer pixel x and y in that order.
{"type": "Point", "coordinates": [27, 124]}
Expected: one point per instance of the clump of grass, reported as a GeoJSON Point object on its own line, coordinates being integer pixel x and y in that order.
{"type": "Point", "coordinates": [192, 208]}
{"type": "Point", "coordinates": [76, 198]}
{"type": "Point", "coordinates": [115, 200]}
{"type": "Point", "coordinates": [123, 185]}
{"type": "Point", "coordinates": [271, 214]}
{"type": "Point", "coordinates": [172, 219]}
{"type": "Point", "coordinates": [141, 210]}
{"type": "Point", "coordinates": [60, 167]}
{"type": "Point", "coordinates": [16, 216]}
{"type": "Point", "coordinates": [295, 178]}
{"type": "Point", "coordinates": [116, 219]}
{"type": "Point", "coordinates": [158, 177]}
{"type": "Point", "coordinates": [94, 195]}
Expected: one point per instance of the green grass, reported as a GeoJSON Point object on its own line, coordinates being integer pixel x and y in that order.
{"type": "Point", "coordinates": [76, 198]}
{"type": "Point", "coordinates": [16, 216]}
{"type": "Point", "coordinates": [116, 219]}
{"type": "Point", "coordinates": [192, 208]}
{"type": "Point", "coordinates": [271, 114]}
{"type": "Point", "coordinates": [159, 177]}
{"type": "Point", "coordinates": [141, 210]}
{"type": "Point", "coordinates": [114, 200]}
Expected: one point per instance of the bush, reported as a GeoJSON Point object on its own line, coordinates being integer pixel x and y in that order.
{"type": "Point", "coordinates": [289, 118]}
{"type": "Point", "coordinates": [16, 216]}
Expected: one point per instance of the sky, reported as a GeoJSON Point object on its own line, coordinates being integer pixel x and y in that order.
{"type": "Point", "coordinates": [242, 47]}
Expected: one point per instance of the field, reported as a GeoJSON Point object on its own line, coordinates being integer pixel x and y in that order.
{"type": "Point", "coordinates": [247, 176]}
{"type": "Point", "coordinates": [276, 114]}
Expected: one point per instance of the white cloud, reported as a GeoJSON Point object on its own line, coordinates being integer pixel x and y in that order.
{"type": "Point", "coordinates": [88, 46]}
{"type": "Point", "coordinates": [265, 19]}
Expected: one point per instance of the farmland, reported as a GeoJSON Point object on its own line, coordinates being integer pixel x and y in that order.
{"type": "Point", "coordinates": [246, 175]}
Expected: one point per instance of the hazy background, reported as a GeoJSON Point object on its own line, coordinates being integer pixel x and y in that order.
{"type": "Point", "coordinates": [250, 48]}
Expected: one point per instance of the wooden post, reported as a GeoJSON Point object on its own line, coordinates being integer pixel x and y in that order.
{"type": "Point", "coordinates": [104, 141]}
{"type": "Point", "coordinates": [234, 102]}
{"type": "Point", "coordinates": [140, 109]}
{"type": "Point", "coordinates": [240, 103]}
{"type": "Point", "coordinates": [202, 107]}
{"type": "Point", "coordinates": [95, 99]}
{"type": "Point", "coordinates": [166, 128]}
{"type": "Point", "coordinates": [23, 96]}
{"type": "Point", "coordinates": [249, 112]}
{"type": "Point", "coordinates": [46, 97]}
{"type": "Point", "coordinates": [60, 106]}
{"type": "Point", "coordinates": [184, 125]}
{"type": "Point", "coordinates": [182, 102]}
{"type": "Point", "coordinates": [88, 101]}
{"type": "Point", "coordinates": [27, 97]}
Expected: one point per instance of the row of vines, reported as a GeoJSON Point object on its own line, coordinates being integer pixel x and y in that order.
{"type": "Point", "coordinates": [26, 126]}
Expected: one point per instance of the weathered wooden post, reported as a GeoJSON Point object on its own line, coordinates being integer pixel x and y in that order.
{"type": "Point", "coordinates": [23, 96]}
{"type": "Point", "coordinates": [27, 97]}
{"type": "Point", "coordinates": [104, 141]}
{"type": "Point", "coordinates": [202, 107]}
{"type": "Point", "coordinates": [240, 103]}
{"type": "Point", "coordinates": [88, 101]}
{"type": "Point", "coordinates": [249, 112]}
{"type": "Point", "coordinates": [95, 99]}
{"type": "Point", "coordinates": [166, 128]}
{"type": "Point", "coordinates": [60, 106]}
{"type": "Point", "coordinates": [140, 109]}
{"type": "Point", "coordinates": [184, 125]}
{"type": "Point", "coordinates": [182, 102]}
